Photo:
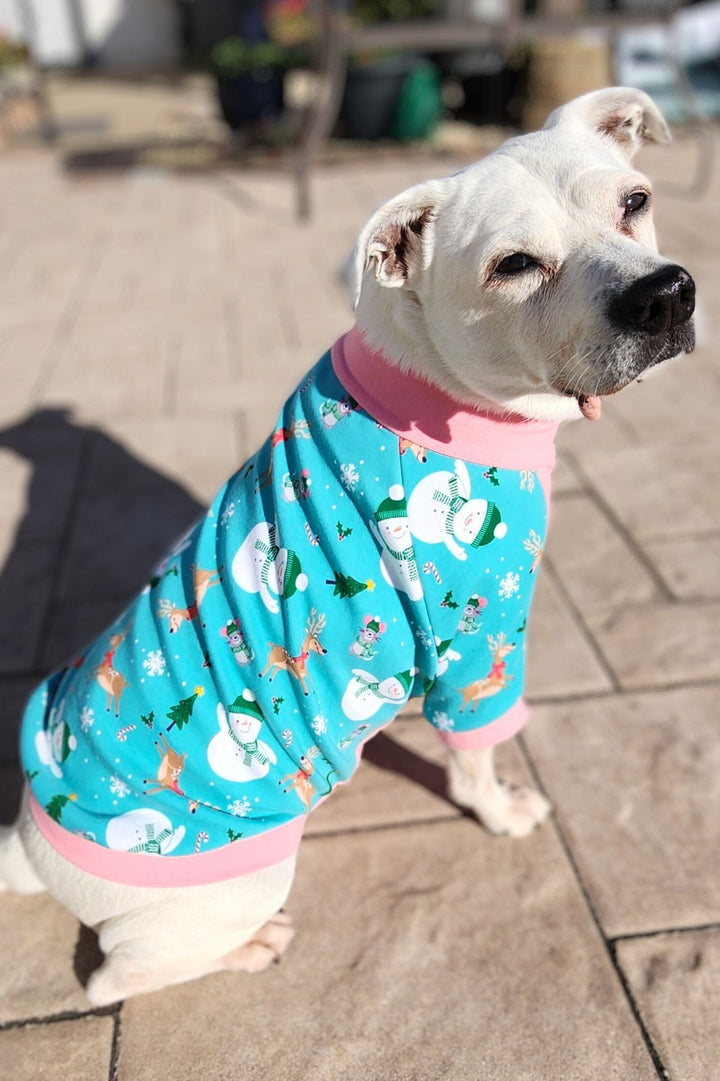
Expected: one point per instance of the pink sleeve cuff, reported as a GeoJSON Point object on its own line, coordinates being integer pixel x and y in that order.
{"type": "Point", "coordinates": [489, 735]}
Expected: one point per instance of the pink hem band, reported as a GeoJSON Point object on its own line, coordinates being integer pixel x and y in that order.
{"type": "Point", "coordinates": [489, 735]}
{"type": "Point", "coordinates": [138, 869]}
{"type": "Point", "coordinates": [414, 410]}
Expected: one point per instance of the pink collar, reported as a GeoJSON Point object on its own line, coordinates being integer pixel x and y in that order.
{"type": "Point", "coordinates": [424, 414]}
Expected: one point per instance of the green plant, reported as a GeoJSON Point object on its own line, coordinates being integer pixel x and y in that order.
{"type": "Point", "coordinates": [12, 54]}
{"type": "Point", "coordinates": [234, 57]}
{"type": "Point", "coordinates": [366, 12]}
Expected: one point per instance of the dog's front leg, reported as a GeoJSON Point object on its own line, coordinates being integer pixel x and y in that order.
{"type": "Point", "coordinates": [501, 807]}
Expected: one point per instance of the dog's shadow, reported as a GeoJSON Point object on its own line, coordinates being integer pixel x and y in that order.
{"type": "Point", "coordinates": [96, 520]}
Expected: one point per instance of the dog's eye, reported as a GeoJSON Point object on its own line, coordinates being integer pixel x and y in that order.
{"type": "Point", "coordinates": [513, 264]}
{"type": "Point", "coordinates": [634, 202]}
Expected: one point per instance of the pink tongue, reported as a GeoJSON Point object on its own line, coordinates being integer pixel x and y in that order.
{"type": "Point", "coordinates": [590, 406]}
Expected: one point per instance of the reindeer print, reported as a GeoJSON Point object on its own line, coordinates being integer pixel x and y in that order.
{"type": "Point", "coordinates": [299, 429]}
{"type": "Point", "coordinates": [300, 781]}
{"type": "Point", "coordinates": [280, 660]}
{"type": "Point", "coordinates": [202, 581]}
{"type": "Point", "coordinates": [171, 766]}
{"type": "Point", "coordinates": [107, 675]}
{"type": "Point", "coordinates": [534, 546]}
{"type": "Point", "coordinates": [497, 678]}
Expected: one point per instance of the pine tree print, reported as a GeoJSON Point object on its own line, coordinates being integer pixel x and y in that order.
{"type": "Point", "coordinates": [181, 713]}
{"type": "Point", "coordinates": [347, 586]}
{"type": "Point", "coordinates": [56, 805]}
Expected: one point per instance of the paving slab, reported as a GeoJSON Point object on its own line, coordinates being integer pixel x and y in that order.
{"type": "Point", "coordinates": [72, 625]}
{"type": "Point", "coordinates": [14, 693]}
{"type": "Point", "coordinates": [80, 1049]}
{"type": "Point", "coordinates": [428, 952]}
{"type": "Point", "coordinates": [657, 490]}
{"type": "Point", "coordinates": [659, 644]}
{"type": "Point", "coordinates": [690, 567]}
{"type": "Point", "coordinates": [675, 981]}
{"type": "Point", "coordinates": [39, 942]}
{"type": "Point", "coordinates": [596, 563]}
{"type": "Point", "coordinates": [635, 782]}
{"type": "Point", "coordinates": [25, 589]}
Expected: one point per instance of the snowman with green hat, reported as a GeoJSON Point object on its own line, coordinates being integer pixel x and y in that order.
{"type": "Point", "coordinates": [392, 529]}
{"type": "Point", "coordinates": [262, 566]}
{"type": "Point", "coordinates": [54, 743]}
{"type": "Point", "coordinates": [441, 511]}
{"type": "Point", "coordinates": [235, 752]}
{"type": "Point", "coordinates": [365, 694]}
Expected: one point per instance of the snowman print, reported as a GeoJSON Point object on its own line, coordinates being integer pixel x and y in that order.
{"type": "Point", "coordinates": [261, 566]}
{"type": "Point", "coordinates": [365, 694]}
{"type": "Point", "coordinates": [441, 511]}
{"type": "Point", "coordinates": [392, 529]}
{"type": "Point", "coordinates": [235, 753]}
{"type": "Point", "coordinates": [143, 830]}
{"type": "Point", "coordinates": [54, 744]}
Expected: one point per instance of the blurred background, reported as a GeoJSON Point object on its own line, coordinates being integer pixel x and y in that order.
{"type": "Point", "coordinates": [194, 83]}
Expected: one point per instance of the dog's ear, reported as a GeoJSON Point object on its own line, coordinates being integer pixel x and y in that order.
{"type": "Point", "coordinates": [626, 116]}
{"type": "Point", "coordinates": [397, 241]}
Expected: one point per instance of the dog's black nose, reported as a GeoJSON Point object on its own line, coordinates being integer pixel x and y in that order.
{"type": "Point", "coordinates": [655, 303]}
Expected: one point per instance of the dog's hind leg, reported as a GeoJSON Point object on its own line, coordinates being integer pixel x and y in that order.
{"type": "Point", "coordinates": [267, 945]}
{"type": "Point", "coordinates": [16, 871]}
{"type": "Point", "coordinates": [501, 807]}
{"type": "Point", "coordinates": [135, 965]}
{"type": "Point", "coordinates": [183, 934]}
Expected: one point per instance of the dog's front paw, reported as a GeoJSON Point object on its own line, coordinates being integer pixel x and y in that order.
{"type": "Point", "coordinates": [513, 809]}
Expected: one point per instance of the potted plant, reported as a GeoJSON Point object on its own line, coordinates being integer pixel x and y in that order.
{"type": "Point", "coordinates": [376, 81]}
{"type": "Point", "coordinates": [250, 78]}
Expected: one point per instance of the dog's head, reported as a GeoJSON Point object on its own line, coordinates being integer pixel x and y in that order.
{"type": "Point", "coordinates": [531, 280]}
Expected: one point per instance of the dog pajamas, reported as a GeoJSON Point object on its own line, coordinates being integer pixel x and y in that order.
{"type": "Point", "coordinates": [381, 545]}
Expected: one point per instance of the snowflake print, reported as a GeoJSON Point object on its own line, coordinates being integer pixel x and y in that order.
{"type": "Point", "coordinates": [319, 724]}
{"type": "Point", "coordinates": [227, 514]}
{"type": "Point", "coordinates": [118, 787]}
{"type": "Point", "coordinates": [424, 638]}
{"type": "Point", "coordinates": [509, 585]}
{"type": "Point", "coordinates": [443, 722]}
{"type": "Point", "coordinates": [240, 808]}
{"type": "Point", "coordinates": [87, 718]}
{"type": "Point", "coordinates": [349, 477]}
{"type": "Point", "coordinates": [527, 480]}
{"type": "Point", "coordinates": [154, 663]}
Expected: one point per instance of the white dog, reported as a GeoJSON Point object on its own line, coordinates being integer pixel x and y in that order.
{"type": "Point", "coordinates": [493, 305]}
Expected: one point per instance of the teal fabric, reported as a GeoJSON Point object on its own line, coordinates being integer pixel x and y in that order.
{"type": "Point", "coordinates": [336, 574]}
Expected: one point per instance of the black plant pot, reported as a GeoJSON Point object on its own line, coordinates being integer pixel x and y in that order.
{"type": "Point", "coordinates": [371, 95]}
{"type": "Point", "coordinates": [254, 96]}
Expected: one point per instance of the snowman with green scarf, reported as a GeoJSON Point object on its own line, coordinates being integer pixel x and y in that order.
{"type": "Point", "coordinates": [235, 753]}
{"type": "Point", "coordinates": [441, 511]}
{"type": "Point", "coordinates": [391, 529]}
{"type": "Point", "coordinates": [262, 566]}
{"type": "Point", "coordinates": [365, 694]}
